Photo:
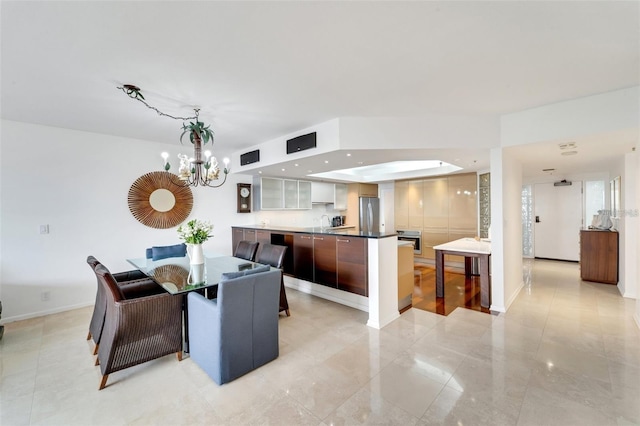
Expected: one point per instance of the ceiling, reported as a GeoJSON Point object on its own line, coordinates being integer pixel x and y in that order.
{"type": "Point", "coordinates": [261, 70]}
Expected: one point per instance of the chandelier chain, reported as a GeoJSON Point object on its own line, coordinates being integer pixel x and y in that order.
{"type": "Point", "coordinates": [134, 93]}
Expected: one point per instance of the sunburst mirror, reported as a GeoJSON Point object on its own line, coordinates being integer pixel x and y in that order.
{"type": "Point", "coordinates": [157, 201]}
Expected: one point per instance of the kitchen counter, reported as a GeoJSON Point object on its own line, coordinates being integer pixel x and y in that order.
{"type": "Point", "coordinates": [340, 230]}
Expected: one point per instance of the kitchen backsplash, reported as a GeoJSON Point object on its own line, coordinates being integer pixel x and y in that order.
{"type": "Point", "coordinates": [298, 218]}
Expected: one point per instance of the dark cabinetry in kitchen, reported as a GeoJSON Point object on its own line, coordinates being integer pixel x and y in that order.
{"type": "Point", "coordinates": [336, 261]}
{"type": "Point", "coordinates": [599, 256]}
{"type": "Point", "coordinates": [352, 265]}
{"type": "Point", "coordinates": [324, 260]}
{"type": "Point", "coordinates": [303, 256]}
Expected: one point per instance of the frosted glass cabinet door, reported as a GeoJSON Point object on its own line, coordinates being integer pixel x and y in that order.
{"type": "Point", "coordinates": [340, 196]}
{"type": "Point", "coordinates": [271, 194]}
{"type": "Point", "coordinates": [290, 194]}
{"type": "Point", "coordinates": [304, 194]}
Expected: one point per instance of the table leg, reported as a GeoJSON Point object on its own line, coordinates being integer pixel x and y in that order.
{"type": "Point", "coordinates": [468, 266]}
{"type": "Point", "coordinates": [439, 273]}
{"type": "Point", "coordinates": [485, 283]}
{"type": "Point", "coordinates": [185, 312]}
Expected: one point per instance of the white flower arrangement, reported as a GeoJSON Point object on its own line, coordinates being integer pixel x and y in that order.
{"type": "Point", "coordinates": [195, 231]}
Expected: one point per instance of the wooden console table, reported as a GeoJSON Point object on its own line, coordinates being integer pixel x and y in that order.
{"type": "Point", "coordinates": [469, 248]}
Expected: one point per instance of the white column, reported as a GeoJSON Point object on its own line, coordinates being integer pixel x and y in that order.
{"type": "Point", "coordinates": [383, 281]}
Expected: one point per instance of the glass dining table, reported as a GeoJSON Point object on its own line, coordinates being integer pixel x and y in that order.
{"type": "Point", "coordinates": [178, 277]}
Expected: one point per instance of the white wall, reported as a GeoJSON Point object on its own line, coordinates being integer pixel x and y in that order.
{"type": "Point", "coordinates": [628, 227]}
{"type": "Point", "coordinates": [430, 131]}
{"type": "Point", "coordinates": [636, 259]}
{"type": "Point", "coordinates": [506, 229]}
{"type": "Point", "coordinates": [77, 183]}
{"type": "Point", "coordinates": [590, 115]}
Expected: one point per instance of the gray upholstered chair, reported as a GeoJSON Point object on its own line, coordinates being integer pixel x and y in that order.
{"type": "Point", "coordinates": [273, 255]}
{"type": "Point", "coordinates": [132, 284]}
{"type": "Point", "coordinates": [137, 330]}
{"type": "Point", "coordinates": [237, 332]}
{"type": "Point", "coordinates": [246, 250]}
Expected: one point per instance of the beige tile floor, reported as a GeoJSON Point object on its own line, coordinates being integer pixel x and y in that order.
{"type": "Point", "coordinates": [566, 353]}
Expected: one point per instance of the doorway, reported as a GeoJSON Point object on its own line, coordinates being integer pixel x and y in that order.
{"type": "Point", "coordinates": [557, 220]}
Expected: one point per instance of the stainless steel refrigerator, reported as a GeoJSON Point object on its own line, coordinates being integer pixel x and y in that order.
{"type": "Point", "coordinates": [369, 214]}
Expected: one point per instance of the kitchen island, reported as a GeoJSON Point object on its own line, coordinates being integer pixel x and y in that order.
{"type": "Point", "coordinates": [357, 269]}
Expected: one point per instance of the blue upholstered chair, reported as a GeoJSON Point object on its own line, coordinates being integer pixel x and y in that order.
{"type": "Point", "coordinates": [237, 332]}
{"type": "Point", "coordinates": [163, 252]}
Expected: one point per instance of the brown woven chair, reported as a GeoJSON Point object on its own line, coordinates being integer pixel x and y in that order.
{"type": "Point", "coordinates": [131, 283]}
{"type": "Point", "coordinates": [273, 255]}
{"type": "Point", "coordinates": [137, 330]}
{"type": "Point", "coordinates": [246, 250]}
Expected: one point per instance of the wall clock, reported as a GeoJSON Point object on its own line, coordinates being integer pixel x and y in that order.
{"type": "Point", "coordinates": [244, 198]}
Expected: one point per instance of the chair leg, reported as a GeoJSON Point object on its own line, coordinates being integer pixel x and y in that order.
{"type": "Point", "coordinates": [89, 336]}
{"type": "Point", "coordinates": [95, 350]}
{"type": "Point", "coordinates": [103, 382]}
{"type": "Point", "coordinates": [97, 361]}
{"type": "Point", "coordinates": [284, 303]}
{"type": "Point", "coordinates": [179, 355]}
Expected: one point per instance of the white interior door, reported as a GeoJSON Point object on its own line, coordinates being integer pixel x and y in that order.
{"type": "Point", "coordinates": [557, 221]}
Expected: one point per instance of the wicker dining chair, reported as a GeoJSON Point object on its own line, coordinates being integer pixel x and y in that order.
{"type": "Point", "coordinates": [132, 284]}
{"type": "Point", "coordinates": [273, 255]}
{"type": "Point", "coordinates": [246, 250]}
{"type": "Point", "coordinates": [137, 330]}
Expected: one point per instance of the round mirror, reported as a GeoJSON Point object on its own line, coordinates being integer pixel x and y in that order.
{"type": "Point", "coordinates": [162, 200]}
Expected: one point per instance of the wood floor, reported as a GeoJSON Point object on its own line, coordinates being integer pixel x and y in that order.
{"type": "Point", "coordinates": [459, 291]}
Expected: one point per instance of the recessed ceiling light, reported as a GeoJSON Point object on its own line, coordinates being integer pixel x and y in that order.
{"type": "Point", "coordinates": [360, 162]}
{"type": "Point", "coordinates": [296, 164]}
{"type": "Point", "coordinates": [260, 172]}
{"type": "Point", "coordinates": [348, 154]}
{"type": "Point", "coordinates": [326, 161]}
{"type": "Point", "coordinates": [569, 153]}
{"type": "Point", "coordinates": [283, 170]}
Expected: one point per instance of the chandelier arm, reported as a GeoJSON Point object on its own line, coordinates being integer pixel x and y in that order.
{"type": "Point", "coordinates": [226, 173]}
{"type": "Point", "coordinates": [135, 94]}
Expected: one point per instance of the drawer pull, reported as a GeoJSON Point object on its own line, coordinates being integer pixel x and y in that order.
{"type": "Point", "coordinates": [344, 241]}
{"type": "Point", "coordinates": [304, 237]}
{"type": "Point", "coordinates": [318, 238]}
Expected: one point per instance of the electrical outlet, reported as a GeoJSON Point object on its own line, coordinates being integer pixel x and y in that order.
{"type": "Point", "coordinates": [45, 296]}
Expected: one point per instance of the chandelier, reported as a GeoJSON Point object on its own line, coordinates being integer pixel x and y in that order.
{"type": "Point", "coordinates": [196, 170]}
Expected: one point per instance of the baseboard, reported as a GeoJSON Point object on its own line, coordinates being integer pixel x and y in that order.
{"type": "Point", "coordinates": [636, 319]}
{"type": "Point", "coordinates": [44, 313]}
{"type": "Point", "coordinates": [342, 297]}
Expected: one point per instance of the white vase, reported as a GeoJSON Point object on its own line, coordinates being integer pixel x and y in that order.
{"type": "Point", "coordinates": [196, 255]}
{"type": "Point", "coordinates": [196, 274]}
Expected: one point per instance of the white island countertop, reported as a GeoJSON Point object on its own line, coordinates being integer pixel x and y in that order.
{"type": "Point", "coordinates": [468, 245]}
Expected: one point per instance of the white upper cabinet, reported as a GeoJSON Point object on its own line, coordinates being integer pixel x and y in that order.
{"type": "Point", "coordinates": [340, 196]}
{"type": "Point", "coordinates": [321, 192]}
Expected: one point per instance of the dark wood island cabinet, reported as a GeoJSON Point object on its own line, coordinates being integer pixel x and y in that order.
{"type": "Point", "coordinates": [599, 256]}
{"type": "Point", "coordinates": [303, 256]}
{"type": "Point", "coordinates": [324, 260]}
{"type": "Point", "coordinates": [335, 260]}
{"type": "Point", "coordinates": [352, 265]}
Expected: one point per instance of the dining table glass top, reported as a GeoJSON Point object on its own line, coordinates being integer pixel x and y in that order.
{"type": "Point", "coordinates": [176, 275]}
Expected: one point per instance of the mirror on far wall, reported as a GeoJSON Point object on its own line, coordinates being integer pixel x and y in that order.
{"type": "Point", "coordinates": [157, 201]}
